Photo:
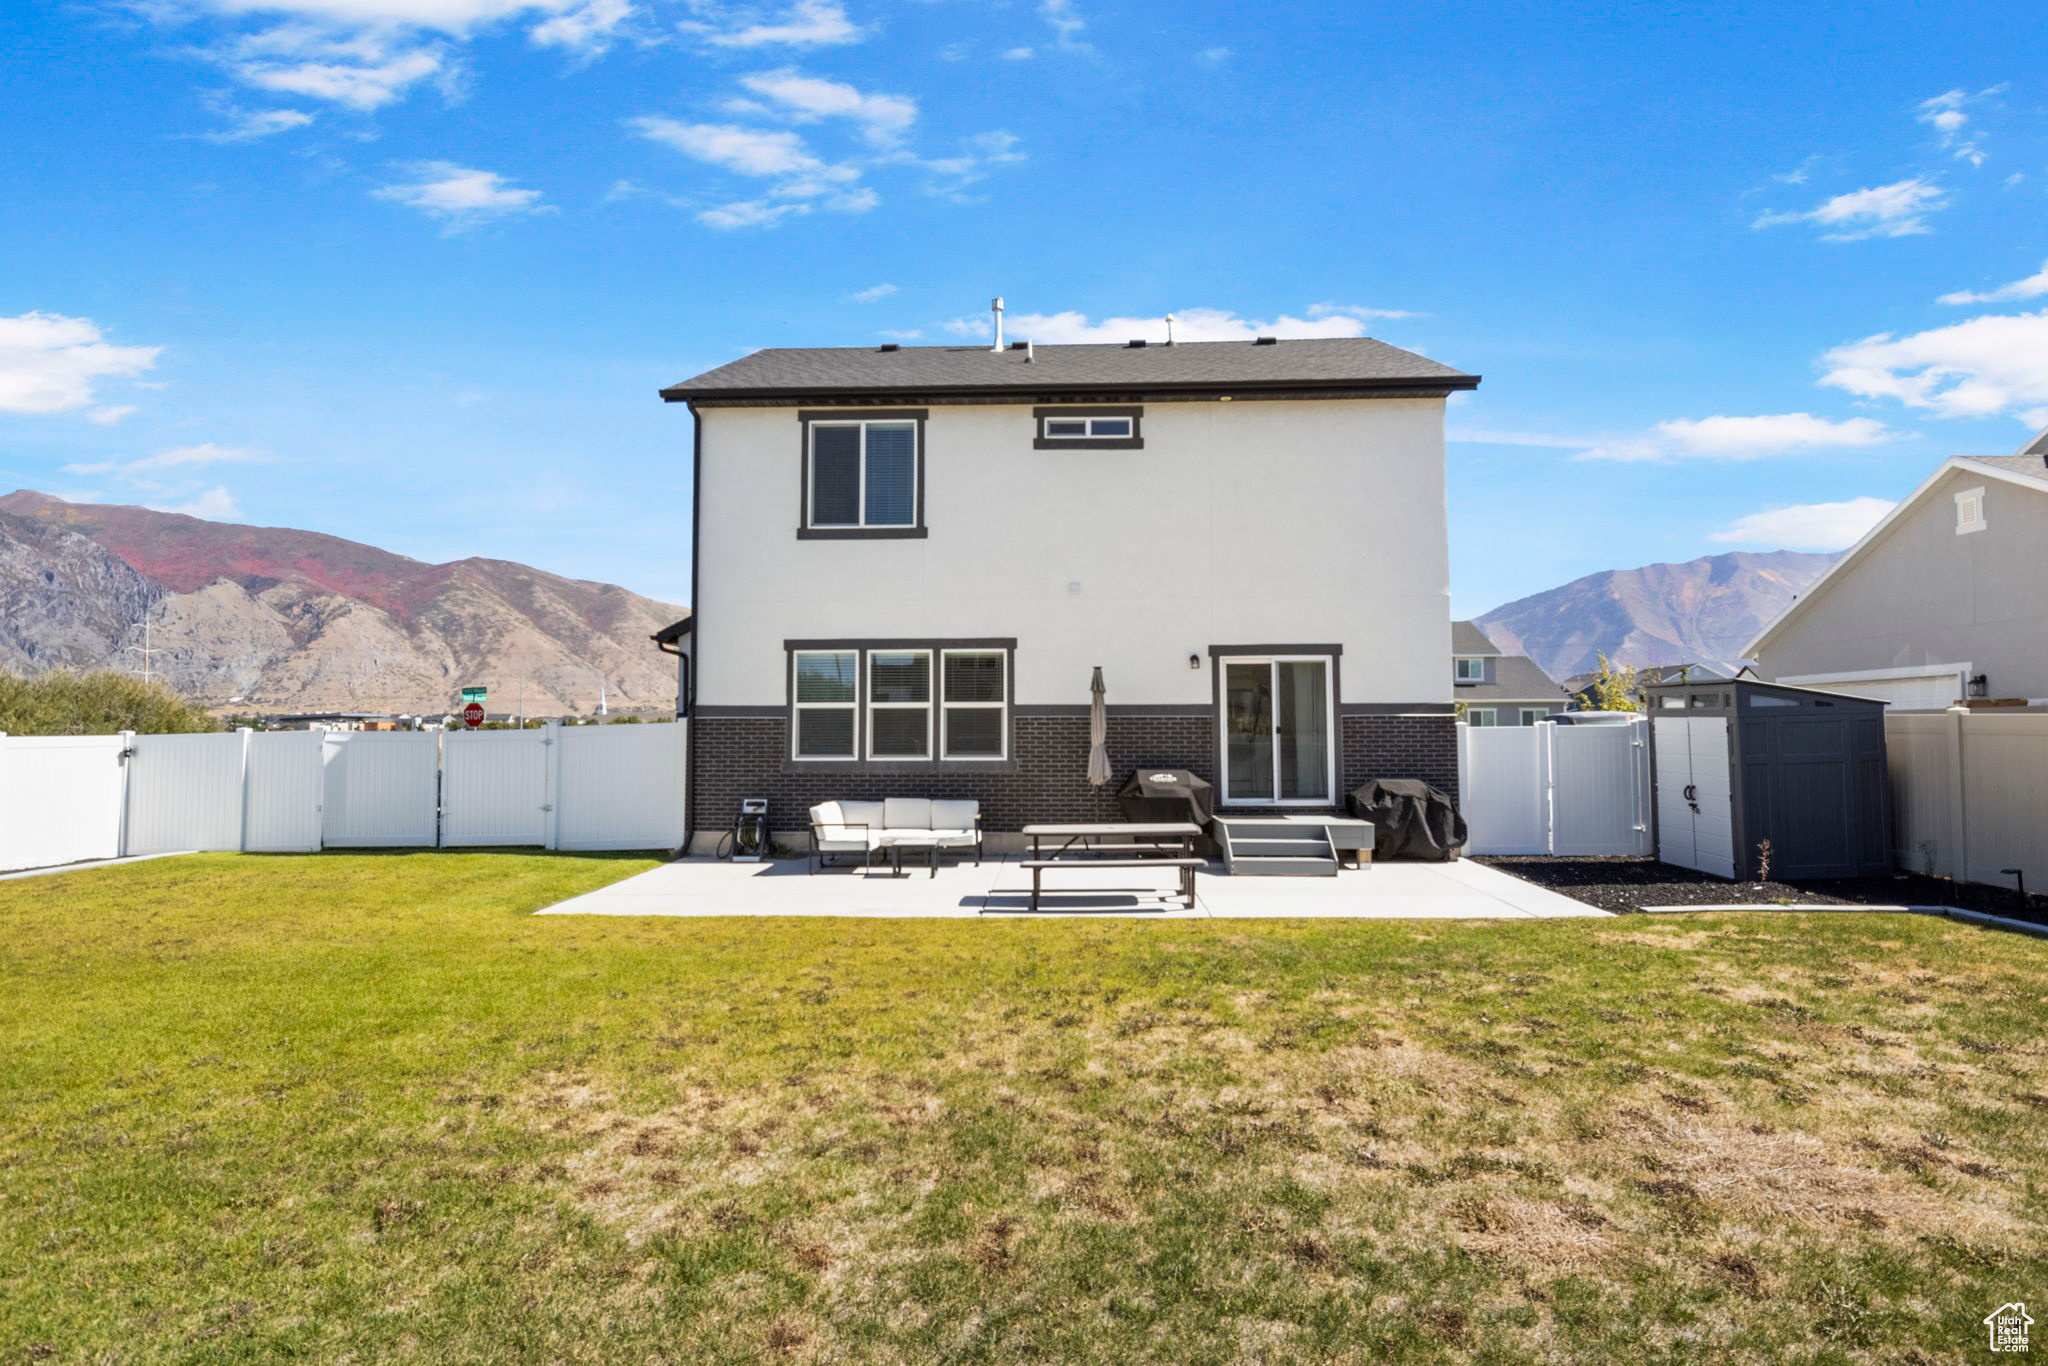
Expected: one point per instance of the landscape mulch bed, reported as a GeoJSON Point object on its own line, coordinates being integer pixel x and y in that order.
{"type": "Point", "coordinates": [1628, 884]}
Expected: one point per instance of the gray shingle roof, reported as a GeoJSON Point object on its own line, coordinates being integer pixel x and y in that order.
{"type": "Point", "coordinates": [1321, 363]}
{"type": "Point", "coordinates": [1468, 639]}
{"type": "Point", "coordinates": [2033, 466]}
{"type": "Point", "coordinates": [2038, 446]}
{"type": "Point", "coordinates": [1516, 678]}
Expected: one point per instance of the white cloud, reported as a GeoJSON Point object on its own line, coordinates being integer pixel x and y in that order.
{"type": "Point", "coordinates": [1807, 526]}
{"type": "Point", "coordinates": [910, 334]}
{"type": "Point", "coordinates": [883, 119]}
{"type": "Point", "coordinates": [589, 28]}
{"type": "Point", "coordinates": [749, 151]}
{"type": "Point", "coordinates": [808, 23]}
{"type": "Point", "coordinates": [1944, 114]}
{"type": "Point", "coordinates": [1979, 367]}
{"type": "Point", "coordinates": [872, 293]}
{"type": "Point", "coordinates": [1741, 438]}
{"type": "Point", "coordinates": [1018, 54]}
{"type": "Point", "coordinates": [1067, 24]}
{"type": "Point", "coordinates": [461, 196]}
{"type": "Point", "coordinates": [1189, 325]}
{"type": "Point", "coordinates": [363, 71]}
{"type": "Point", "coordinates": [49, 362]}
{"type": "Point", "coordinates": [1213, 56]}
{"type": "Point", "coordinates": [250, 124]}
{"type": "Point", "coordinates": [1327, 310]}
{"type": "Point", "coordinates": [1895, 210]}
{"type": "Point", "coordinates": [977, 156]}
{"type": "Point", "coordinates": [177, 457]}
{"type": "Point", "coordinates": [108, 416]}
{"type": "Point", "coordinates": [445, 16]}
{"type": "Point", "coordinates": [216, 504]}
{"type": "Point", "coordinates": [750, 213]}
{"type": "Point", "coordinates": [2033, 287]}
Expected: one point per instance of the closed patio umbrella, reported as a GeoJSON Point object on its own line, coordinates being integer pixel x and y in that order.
{"type": "Point", "coordinates": [1098, 733]}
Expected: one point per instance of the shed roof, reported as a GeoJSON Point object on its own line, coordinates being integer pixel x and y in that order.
{"type": "Point", "coordinates": [1318, 363]}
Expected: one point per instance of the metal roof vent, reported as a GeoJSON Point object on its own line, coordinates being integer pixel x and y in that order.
{"type": "Point", "coordinates": [1265, 341]}
{"type": "Point", "coordinates": [1016, 346]}
{"type": "Point", "coordinates": [890, 346]}
{"type": "Point", "coordinates": [1135, 342]}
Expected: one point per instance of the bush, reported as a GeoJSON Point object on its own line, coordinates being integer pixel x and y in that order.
{"type": "Point", "coordinates": [98, 703]}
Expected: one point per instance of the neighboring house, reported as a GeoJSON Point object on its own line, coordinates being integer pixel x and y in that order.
{"type": "Point", "coordinates": [1498, 689]}
{"type": "Point", "coordinates": [908, 560]}
{"type": "Point", "coordinates": [1941, 602]}
{"type": "Point", "coordinates": [1582, 696]}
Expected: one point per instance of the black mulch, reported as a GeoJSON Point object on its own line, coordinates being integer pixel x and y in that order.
{"type": "Point", "coordinates": [1628, 884]}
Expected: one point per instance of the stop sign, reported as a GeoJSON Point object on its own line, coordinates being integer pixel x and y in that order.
{"type": "Point", "coordinates": [473, 715]}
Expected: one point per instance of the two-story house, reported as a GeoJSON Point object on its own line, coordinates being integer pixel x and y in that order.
{"type": "Point", "coordinates": [1499, 689]}
{"type": "Point", "coordinates": [908, 561]}
{"type": "Point", "coordinates": [1941, 602]}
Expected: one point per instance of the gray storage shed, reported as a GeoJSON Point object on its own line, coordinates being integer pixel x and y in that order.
{"type": "Point", "coordinates": [1741, 761]}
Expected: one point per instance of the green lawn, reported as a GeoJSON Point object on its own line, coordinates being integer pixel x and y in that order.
{"type": "Point", "coordinates": [366, 1108]}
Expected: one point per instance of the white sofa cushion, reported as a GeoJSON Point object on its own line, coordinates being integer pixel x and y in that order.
{"type": "Point", "coordinates": [907, 813]}
{"type": "Point", "coordinates": [953, 820]}
{"type": "Point", "coordinates": [840, 826]}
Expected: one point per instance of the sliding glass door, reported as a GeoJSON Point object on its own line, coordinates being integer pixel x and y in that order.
{"type": "Point", "coordinates": [1276, 731]}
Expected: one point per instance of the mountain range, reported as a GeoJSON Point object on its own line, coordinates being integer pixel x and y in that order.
{"type": "Point", "coordinates": [272, 619]}
{"type": "Point", "coordinates": [1699, 612]}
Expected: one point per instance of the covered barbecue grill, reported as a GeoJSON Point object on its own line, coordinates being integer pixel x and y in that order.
{"type": "Point", "coordinates": [1167, 794]}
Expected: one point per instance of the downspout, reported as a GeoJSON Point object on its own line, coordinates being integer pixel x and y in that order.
{"type": "Point", "coordinates": [696, 625]}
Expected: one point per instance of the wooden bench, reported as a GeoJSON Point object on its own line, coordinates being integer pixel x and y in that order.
{"type": "Point", "coordinates": [1185, 866]}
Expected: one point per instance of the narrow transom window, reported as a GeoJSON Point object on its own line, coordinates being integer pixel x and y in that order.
{"type": "Point", "coordinates": [1092, 429]}
{"type": "Point", "coordinates": [1087, 426]}
{"type": "Point", "coordinates": [827, 703]}
{"type": "Point", "coordinates": [863, 474]}
{"type": "Point", "coordinates": [975, 699]}
{"type": "Point", "coordinates": [900, 704]}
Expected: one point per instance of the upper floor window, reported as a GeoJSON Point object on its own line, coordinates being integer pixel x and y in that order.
{"type": "Point", "coordinates": [1089, 429]}
{"type": "Point", "coordinates": [1471, 670]}
{"type": "Point", "coordinates": [863, 474]}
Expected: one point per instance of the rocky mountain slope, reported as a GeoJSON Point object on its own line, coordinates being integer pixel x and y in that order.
{"type": "Point", "coordinates": [294, 620]}
{"type": "Point", "coordinates": [1702, 611]}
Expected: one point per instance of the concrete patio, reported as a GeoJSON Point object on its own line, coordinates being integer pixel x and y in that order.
{"type": "Point", "coordinates": [1000, 887]}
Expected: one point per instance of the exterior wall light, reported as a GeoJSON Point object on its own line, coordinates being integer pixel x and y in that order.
{"type": "Point", "coordinates": [1194, 661]}
{"type": "Point", "coordinates": [1980, 686]}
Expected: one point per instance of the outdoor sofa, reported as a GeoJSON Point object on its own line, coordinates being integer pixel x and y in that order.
{"type": "Point", "coordinates": [865, 828]}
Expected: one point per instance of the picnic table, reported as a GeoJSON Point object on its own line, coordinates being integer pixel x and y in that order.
{"type": "Point", "coordinates": [1141, 844]}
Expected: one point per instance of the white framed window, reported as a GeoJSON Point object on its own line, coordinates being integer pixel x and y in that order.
{"type": "Point", "coordinates": [1970, 511]}
{"type": "Point", "coordinates": [1079, 428]}
{"type": "Point", "coordinates": [1532, 715]}
{"type": "Point", "coordinates": [862, 474]}
{"type": "Point", "coordinates": [1470, 670]}
{"type": "Point", "coordinates": [899, 704]}
{"type": "Point", "coordinates": [1481, 716]}
{"type": "Point", "coordinates": [973, 720]}
{"type": "Point", "coordinates": [825, 691]}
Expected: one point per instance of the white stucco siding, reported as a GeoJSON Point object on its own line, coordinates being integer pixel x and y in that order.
{"type": "Point", "coordinates": [1238, 523]}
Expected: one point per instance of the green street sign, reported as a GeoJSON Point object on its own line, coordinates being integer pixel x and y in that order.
{"type": "Point", "coordinates": [473, 695]}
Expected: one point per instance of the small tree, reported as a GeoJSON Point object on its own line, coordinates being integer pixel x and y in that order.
{"type": "Point", "coordinates": [99, 703]}
{"type": "Point", "coordinates": [1614, 688]}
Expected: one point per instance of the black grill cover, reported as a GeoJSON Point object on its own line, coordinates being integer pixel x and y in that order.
{"type": "Point", "coordinates": [1410, 819]}
{"type": "Point", "coordinates": [1167, 794]}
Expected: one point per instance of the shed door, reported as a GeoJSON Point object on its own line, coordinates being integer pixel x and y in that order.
{"type": "Point", "coordinates": [1675, 838]}
{"type": "Point", "coordinates": [1713, 793]}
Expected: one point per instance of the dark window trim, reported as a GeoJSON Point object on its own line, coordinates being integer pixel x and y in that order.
{"type": "Point", "coordinates": [1134, 442]}
{"type": "Point", "coordinates": [862, 764]}
{"type": "Point", "coordinates": [1332, 650]}
{"type": "Point", "coordinates": [804, 530]}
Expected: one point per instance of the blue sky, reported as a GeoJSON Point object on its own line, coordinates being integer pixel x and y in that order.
{"type": "Point", "coordinates": [410, 271]}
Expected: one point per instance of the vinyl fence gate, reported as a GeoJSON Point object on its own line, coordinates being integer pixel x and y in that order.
{"type": "Point", "coordinates": [1551, 789]}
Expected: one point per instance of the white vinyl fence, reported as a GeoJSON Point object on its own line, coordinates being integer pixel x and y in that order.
{"type": "Point", "coordinates": [68, 799]}
{"type": "Point", "coordinates": [1551, 789]}
{"type": "Point", "coordinates": [1970, 794]}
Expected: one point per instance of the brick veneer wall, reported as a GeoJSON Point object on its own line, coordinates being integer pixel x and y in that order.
{"type": "Point", "coordinates": [737, 757]}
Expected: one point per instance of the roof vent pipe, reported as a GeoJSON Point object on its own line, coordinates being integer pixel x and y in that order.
{"type": "Point", "coordinates": [996, 307]}
{"type": "Point", "coordinates": [1169, 329]}
{"type": "Point", "coordinates": [1030, 354]}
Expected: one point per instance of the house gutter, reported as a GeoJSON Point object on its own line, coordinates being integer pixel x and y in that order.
{"type": "Point", "coordinates": [1054, 392]}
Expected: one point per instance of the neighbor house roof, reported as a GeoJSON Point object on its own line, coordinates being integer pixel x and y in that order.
{"type": "Point", "coordinates": [2037, 446]}
{"type": "Point", "coordinates": [1516, 678]}
{"type": "Point", "coordinates": [1468, 640]}
{"type": "Point", "coordinates": [2025, 470]}
{"type": "Point", "coordinates": [1318, 365]}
